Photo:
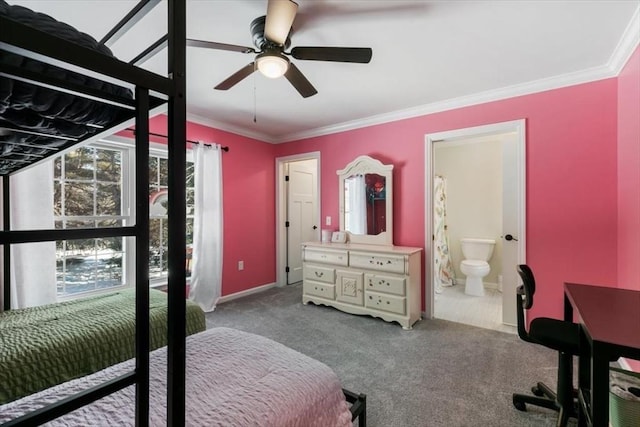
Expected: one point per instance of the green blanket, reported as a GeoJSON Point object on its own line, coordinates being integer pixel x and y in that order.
{"type": "Point", "coordinates": [48, 345]}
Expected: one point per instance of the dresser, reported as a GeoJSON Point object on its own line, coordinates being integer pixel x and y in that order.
{"type": "Point", "coordinates": [375, 280]}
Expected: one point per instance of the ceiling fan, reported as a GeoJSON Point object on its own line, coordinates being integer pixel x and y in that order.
{"type": "Point", "coordinates": [271, 36]}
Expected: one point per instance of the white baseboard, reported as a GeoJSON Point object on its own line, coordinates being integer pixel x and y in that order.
{"type": "Point", "coordinates": [490, 285]}
{"type": "Point", "coordinates": [231, 297]}
{"type": "Point", "coordinates": [487, 285]}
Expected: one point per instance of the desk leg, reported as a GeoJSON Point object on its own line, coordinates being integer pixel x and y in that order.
{"type": "Point", "coordinates": [584, 372]}
{"type": "Point", "coordinates": [599, 385]}
{"type": "Point", "coordinates": [584, 357]}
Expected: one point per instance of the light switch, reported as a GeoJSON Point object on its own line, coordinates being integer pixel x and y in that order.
{"type": "Point", "coordinates": [328, 221]}
{"type": "Point", "coordinates": [240, 265]}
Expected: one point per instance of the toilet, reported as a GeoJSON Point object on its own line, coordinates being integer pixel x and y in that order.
{"type": "Point", "coordinates": [477, 253]}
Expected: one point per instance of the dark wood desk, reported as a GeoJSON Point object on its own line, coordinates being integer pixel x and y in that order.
{"type": "Point", "coordinates": [610, 328]}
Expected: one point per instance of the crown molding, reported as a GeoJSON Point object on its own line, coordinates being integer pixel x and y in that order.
{"type": "Point", "coordinates": [627, 45]}
{"type": "Point", "coordinates": [564, 80]}
{"type": "Point", "coordinates": [230, 128]}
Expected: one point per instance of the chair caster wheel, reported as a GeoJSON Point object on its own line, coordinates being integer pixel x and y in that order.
{"type": "Point", "coordinates": [520, 406]}
{"type": "Point", "coordinates": [537, 391]}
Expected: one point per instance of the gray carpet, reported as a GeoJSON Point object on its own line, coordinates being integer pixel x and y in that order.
{"type": "Point", "coordinates": [438, 374]}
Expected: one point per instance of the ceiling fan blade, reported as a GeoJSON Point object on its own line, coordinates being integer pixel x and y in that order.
{"type": "Point", "coordinates": [220, 46]}
{"type": "Point", "coordinates": [299, 81]}
{"type": "Point", "coordinates": [237, 76]}
{"type": "Point", "coordinates": [280, 16]}
{"type": "Point", "coordinates": [360, 55]}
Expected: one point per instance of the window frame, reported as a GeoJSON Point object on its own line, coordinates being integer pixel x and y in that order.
{"type": "Point", "coordinates": [127, 215]}
{"type": "Point", "coordinates": [128, 212]}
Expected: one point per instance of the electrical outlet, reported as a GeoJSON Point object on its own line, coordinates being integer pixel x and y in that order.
{"type": "Point", "coordinates": [328, 221]}
{"type": "Point", "coordinates": [240, 265]}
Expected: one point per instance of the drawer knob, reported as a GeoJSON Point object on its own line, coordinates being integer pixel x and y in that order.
{"type": "Point", "coordinates": [319, 273]}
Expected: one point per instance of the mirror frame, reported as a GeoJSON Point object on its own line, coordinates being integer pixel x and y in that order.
{"type": "Point", "coordinates": [364, 165]}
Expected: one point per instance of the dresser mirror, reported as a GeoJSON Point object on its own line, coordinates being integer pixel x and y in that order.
{"type": "Point", "coordinates": [366, 201]}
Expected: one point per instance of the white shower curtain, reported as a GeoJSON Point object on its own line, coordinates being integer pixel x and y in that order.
{"type": "Point", "coordinates": [357, 204]}
{"type": "Point", "coordinates": [206, 273]}
{"type": "Point", "coordinates": [443, 271]}
{"type": "Point", "coordinates": [33, 265]}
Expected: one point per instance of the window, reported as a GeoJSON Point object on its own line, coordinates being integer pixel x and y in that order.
{"type": "Point", "coordinates": [88, 193]}
{"type": "Point", "coordinates": [158, 199]}
{"type": "Point", "coordinates": [94, 187]}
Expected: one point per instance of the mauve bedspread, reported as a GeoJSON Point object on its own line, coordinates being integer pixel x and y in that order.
{"type": "Point", "coordinates": [233, 379]}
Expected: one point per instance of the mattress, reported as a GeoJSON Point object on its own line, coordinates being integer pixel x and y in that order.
{"type": "Point", "coordinates": [51, 344]}
{"type": "Point", "coordinates": [28, 110]}
{"type": "Point", "coordinates": [233, 378]}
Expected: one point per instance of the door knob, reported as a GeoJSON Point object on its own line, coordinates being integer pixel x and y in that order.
{"type": "Point", "coordinates": [509, 237]}
{"type": "Point", "coordinates": [315, 227]}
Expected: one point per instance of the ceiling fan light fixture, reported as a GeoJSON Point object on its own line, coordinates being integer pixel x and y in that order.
{"type": "Point", "coordinates": [272, 65]}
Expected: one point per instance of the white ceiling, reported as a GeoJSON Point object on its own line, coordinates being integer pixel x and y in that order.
{"type": "Point", "coordinates": [427, 55]}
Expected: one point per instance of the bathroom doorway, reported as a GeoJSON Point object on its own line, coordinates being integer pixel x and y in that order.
{"type": "Point", "coordinates": [475, 189]}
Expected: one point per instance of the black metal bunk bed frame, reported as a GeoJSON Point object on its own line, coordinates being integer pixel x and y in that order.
{"type": "Point", "coordinates": [34, 44]}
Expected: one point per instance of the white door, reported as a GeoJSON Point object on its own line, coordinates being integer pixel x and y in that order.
{"type": "Point", "coordinates": [302, 203]}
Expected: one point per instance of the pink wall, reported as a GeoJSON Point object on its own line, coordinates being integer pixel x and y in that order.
{"type": "Point", "coordinates": [571, 178]}
{"type": "Point", "coordinates": [583, 197]}
{"type": "Point", "coordinates": [248, 205]}
{"type": "Point", "coordinates": [629, 174]}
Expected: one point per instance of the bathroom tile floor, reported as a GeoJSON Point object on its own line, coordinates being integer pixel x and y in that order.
{"type": "Point", "coordinates": [485, 312]}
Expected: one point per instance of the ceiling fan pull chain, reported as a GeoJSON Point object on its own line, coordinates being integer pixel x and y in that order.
{"type": "Point", "coordinates": [255, 120]}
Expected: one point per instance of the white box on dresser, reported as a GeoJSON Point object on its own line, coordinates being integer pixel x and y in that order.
{"type": "Point", "coordinates": [376, 280]}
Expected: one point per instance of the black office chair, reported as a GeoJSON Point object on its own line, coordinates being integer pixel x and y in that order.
{"type": "Point", "coordinates": [555, 334]}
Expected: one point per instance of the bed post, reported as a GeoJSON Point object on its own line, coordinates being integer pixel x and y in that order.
{"type": "Point", "coordinates": [142, 256]}
{"type": "Point", "coordinates": [177, 134]}
{"type": "Point", "coordinates": [6, 246]}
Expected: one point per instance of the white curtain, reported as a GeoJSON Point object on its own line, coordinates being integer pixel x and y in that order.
{"type": "Point", "coordinates": [33, 265]}
{"type": "Point", "coordinates": [442, 258]}
{"type": "Point", "coordinates": [206, 273]}
{"type": "Point", "coordinates": [356, 188]}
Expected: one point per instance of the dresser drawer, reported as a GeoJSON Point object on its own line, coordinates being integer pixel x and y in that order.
{"type": "Point", "coordinates": [322, 290]}
{"type": "Point", "coordinates": [326, 256]}
{"type": "Point", "coordinates": [382, 262]}
{"type": "Point", "coordinates": [389, 303]}
{"type": "Point", "coordinates": [387, 284]}
{"type": "Point", "coordinates": [319, 273]}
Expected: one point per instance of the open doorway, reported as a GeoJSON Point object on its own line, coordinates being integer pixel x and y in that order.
{"type": "Point", "coordinates": [475, 201]}
{"type": "Point", "coordinates": [297, 212]}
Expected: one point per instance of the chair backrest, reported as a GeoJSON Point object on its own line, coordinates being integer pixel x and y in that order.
{"type": "Point", "coordinates": [528, 284]}
{"type": "Point", "coordinates": [524, 299]}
